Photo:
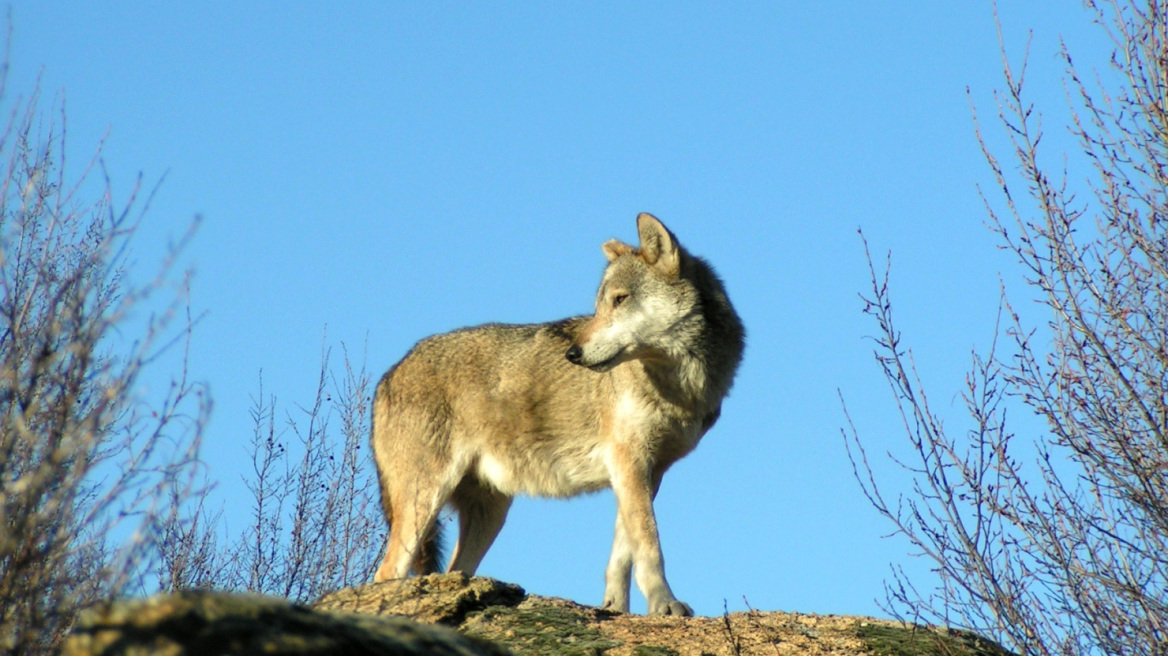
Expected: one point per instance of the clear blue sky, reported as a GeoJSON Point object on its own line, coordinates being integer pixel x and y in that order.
{"type": "Point", "coordinates": [394, 170]}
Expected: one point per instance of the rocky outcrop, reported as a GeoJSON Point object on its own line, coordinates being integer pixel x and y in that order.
{"type": "Point", "coordinates": [435, 599]}
{"type": "Point", "coordinates": [529, 624]}
{"type": "Point", "coordinates": [455, 614]}
{"type": "Point", "coordinates": [209, 623]}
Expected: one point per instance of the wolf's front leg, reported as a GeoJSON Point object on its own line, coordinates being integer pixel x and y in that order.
{"type": "Point", "coordinates": [618, 575]}
{"type": "Point", "coordinates": [634, 500]}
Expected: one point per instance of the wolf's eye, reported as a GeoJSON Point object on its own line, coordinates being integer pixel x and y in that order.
{"type": "Point", "coordinates": [618, 299]}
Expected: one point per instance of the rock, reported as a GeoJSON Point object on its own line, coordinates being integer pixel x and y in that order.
{"type": "Point", "coordinates": [500, 612]}
{"type": "Point", "coordinates": [433, 599]}
{"type": "Point", "coordinates": [208, 623]}
{"type": "Point", "coordinates": [490, 617]}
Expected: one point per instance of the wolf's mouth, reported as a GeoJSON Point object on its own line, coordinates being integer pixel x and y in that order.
{"type": "Point", "coordinates": [601, 367]}
{"type": "Point", "coordinates": [607, 365]}
{"type": "Point", "coordinates": [575, 355]}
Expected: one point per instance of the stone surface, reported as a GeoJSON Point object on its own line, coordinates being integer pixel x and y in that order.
{"type": "Point", "coordinates": [434, 599]}
{"type": "Point", "coordinates": [530, 624]}
{"type": "Point", "coordinates": [421, 615]}
{"type": "Point", "coordinates": [208, 623]}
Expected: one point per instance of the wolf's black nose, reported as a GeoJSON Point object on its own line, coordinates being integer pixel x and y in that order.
{"type": "Point", "coordinates": [574, 354]}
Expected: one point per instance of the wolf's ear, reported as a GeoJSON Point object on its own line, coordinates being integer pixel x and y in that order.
{"type": "Point", "coordinates": [614, 248]}
{"type": "Point", "coordinates": [658, 247]}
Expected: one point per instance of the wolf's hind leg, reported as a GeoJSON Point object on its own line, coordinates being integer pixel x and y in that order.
{"type": "Point", "coordinates": [481, 512]}
{"type": "Point", "coordinates": [412, 532]}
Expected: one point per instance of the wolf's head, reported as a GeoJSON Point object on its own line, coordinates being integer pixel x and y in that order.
{"type": "Point", "coordinates": [646, 307]}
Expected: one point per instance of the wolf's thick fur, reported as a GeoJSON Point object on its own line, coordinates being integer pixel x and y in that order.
{"type": "Point", "coordinates": [478, 415]}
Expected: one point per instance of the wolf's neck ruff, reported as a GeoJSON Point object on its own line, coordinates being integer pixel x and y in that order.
{"type": "Point", "coordinates": [702, 368]}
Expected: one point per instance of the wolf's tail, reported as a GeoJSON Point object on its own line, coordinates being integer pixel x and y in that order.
{"type": "Point", "coordinates": [431, 549]}
{"type": "Point", "coordinates": [430, 553]}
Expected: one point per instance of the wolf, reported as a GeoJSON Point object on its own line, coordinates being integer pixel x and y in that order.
{"type": "Point", "coordinates": [473, 417]}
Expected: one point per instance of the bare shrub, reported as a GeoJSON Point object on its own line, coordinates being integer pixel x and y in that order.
{"type": "Point", "coordinates": [101, 491]}
{"type": "Point", "coordinates": [1056, 544]}
{"type": "Point", "coordinates": [88, 471]}
{"type": "Point", "coordinates": [315, 522]}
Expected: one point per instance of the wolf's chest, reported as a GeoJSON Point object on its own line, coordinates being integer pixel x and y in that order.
{"type": "Point", "coordinates": [546, 469]}
{"type": "Point", "coordinates": [562, 465]}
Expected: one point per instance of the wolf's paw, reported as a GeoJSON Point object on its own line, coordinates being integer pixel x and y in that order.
{"type": "Point", "coordinates": [616, 605]}
{"type": "Point", "coordinates": [671, 607]}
